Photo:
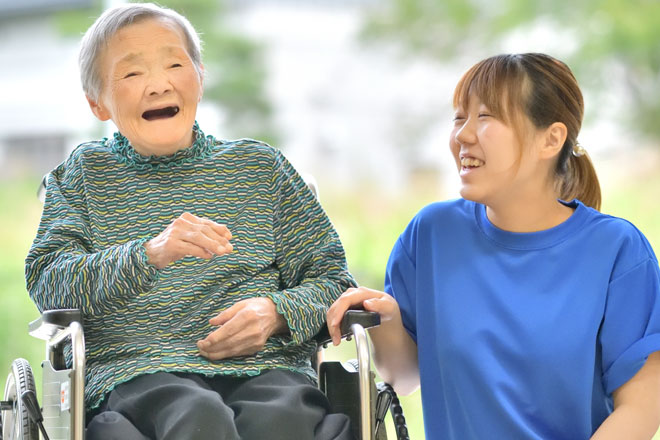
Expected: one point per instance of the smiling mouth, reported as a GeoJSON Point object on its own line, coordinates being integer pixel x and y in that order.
{"type": "Point", "coordinates": [470, 162]}
{"type": "Point", "coordinates": [161, 113]}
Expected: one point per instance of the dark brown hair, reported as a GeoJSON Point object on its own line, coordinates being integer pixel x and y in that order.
{"type": "Point", "coordinates": [544, 90]}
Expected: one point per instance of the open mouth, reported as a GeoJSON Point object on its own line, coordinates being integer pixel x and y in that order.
{"type": "Point", "coordinates": [469, 162]}
{"type": "Point", "coordinates": [161, 113]}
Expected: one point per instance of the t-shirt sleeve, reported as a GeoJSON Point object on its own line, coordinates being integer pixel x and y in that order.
{"type": "Point", "coordinates": [630, 329]}
{"type": "Point", "coordinates": [400, 282]}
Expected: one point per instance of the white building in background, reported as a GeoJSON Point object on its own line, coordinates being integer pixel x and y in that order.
{"type": "Point", "coordinates": [346, 112]}
{"type": "Point", "coordinates": [349, 111]}
{"type": "Point", "coordinates": [42, 109]}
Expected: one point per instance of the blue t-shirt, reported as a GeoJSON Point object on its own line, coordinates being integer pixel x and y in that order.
{"type": "Point", "coordinates": [523, 335]}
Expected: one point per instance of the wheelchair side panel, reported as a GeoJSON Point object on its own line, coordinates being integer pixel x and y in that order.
{"type": "Point", "coordinates": [56, 401]}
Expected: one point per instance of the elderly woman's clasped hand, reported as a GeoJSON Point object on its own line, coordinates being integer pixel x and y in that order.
{"type": "Point", "coordinates": [243, 328]}
{"type": "Point", "coordinates": [188, 235]}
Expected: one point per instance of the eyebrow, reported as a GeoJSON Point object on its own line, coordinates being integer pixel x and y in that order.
{"type": "Point", "coordinates": [130, 58]}
{"type": "Point", "coordinates": [135, 56]}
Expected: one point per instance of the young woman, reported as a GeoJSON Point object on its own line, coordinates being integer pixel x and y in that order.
{"type": "Point", "coordinates": [520, 309]}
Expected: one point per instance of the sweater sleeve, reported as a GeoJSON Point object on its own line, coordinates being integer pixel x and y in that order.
{"type": "Point", "coordinates": [308, 254]}
{"type": "Point", "coordinates": [64, 270]}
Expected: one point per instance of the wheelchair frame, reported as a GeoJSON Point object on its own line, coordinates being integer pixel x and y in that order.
{"type": "Point", "coordinates": [63, 389]}
{"type": "Point", "coordinates": [63, 413]}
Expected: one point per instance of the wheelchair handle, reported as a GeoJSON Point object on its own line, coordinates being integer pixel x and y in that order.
{"type": "Point", "coordinates": [362, 317]}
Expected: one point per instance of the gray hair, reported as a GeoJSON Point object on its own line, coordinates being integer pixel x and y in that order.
{"type": "Point", "coordinates": [110, 22]}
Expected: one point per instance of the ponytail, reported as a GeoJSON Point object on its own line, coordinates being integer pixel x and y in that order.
{"type": "Point", "coordinates": [579, 181]}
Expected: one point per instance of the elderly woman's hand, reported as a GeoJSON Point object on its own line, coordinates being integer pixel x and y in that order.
{"type": "Point", "coordinates": [243, 329]}
{"type": "Point", "coordinates": [188, 235]}
{"type": "Point", "coordinates": [371, 300]}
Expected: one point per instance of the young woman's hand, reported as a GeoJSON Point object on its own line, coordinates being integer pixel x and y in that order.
{"type": "Point", "coordinates": [369, 299]}
{"type": "Point", "coordinates": [394, 350]}
{"type": "Point", "coordinates": [188, 235]}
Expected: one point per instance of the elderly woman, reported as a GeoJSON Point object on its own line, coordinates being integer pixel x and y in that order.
{"type": "Point", "coordinates": [202, 267]}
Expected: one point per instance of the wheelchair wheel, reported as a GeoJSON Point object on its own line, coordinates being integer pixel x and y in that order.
{"type": "Point", "coordinates": [15, 422]}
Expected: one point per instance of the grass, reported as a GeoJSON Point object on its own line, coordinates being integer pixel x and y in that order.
{"type": "Point", "coordinates": [368, 221]}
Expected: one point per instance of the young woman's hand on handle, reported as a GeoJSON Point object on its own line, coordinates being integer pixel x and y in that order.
{"type": "Point", "coordinates": [395, 352]}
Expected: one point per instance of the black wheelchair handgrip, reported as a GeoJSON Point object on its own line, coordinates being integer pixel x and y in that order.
{"type": "Point", "coordinates": [362, 317]}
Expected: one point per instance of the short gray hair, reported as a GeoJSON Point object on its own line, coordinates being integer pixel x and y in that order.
{"type": "Point", "coordinates": [110, 22]}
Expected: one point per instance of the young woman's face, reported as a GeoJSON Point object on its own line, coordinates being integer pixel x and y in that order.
{"type": "Point", "coordinates": [491, 162]}
{"type": "Point", "coordinates": [151, 87]}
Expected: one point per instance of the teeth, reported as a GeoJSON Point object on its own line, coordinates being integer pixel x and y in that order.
{"type": "Point", "coordinates": [471, 162]}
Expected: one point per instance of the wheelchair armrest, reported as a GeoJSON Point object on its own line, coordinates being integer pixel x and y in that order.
{"type": "Point", "coordinates": [362, 317]}
{"type": "Point", "coordinates": [46, 326]}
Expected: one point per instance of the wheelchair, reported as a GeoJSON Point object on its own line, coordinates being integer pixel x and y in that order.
{"type": "Point", "coordinates": [349, 386]}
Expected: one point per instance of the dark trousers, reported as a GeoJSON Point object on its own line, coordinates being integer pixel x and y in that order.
{"type": "Point", "coordinates": [277, 404]}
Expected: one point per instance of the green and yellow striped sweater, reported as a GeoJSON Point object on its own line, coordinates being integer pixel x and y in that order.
{"type": "Point", "coordinates": [106, 200]}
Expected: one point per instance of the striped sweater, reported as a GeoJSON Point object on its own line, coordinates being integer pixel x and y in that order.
{"type": "Point", "coordinates": [105, 201]}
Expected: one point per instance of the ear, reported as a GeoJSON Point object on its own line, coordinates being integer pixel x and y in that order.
{"type": "Point", "coordinates": [99, 111]}
{"type": "Point", "coordinates": [553, 139]}
{"type": "Point", "coordinates": [201, 82]}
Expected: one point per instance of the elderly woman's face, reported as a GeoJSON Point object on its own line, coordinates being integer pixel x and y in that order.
{"type": "Point", "coordinates": [150, 87]}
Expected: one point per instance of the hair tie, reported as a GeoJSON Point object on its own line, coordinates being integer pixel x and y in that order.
{"type": "Point", "coordinates": [578, 150]}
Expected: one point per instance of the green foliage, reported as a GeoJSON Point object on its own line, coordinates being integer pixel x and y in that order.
{"type": "Point", "coordinates": [74, 22]}
{"type": "Point", "coordinates": [235, 72]}
{"type": "Point", "coordinates": [369, 221]}
{"type": "Point", "coordinates": [19, 215]}
{"type": "Point", "coordinates": [616, 42]}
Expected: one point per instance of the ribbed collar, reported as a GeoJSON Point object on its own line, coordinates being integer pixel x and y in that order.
{"type": "Point", "coordinates": [122, 148]}
{"type": "Point", "coordinates": [532, 240]}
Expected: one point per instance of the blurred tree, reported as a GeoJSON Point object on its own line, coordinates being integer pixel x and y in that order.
{"type": "Point", "coordinates": [235, 72]}
{"type": "Point", "coordinates": [609, 43]}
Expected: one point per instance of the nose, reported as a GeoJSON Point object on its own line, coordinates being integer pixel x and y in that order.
{"type": "Point", "coordinates": [465, 134]}
{"type": "Point", "coordinates": [158, 84]}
